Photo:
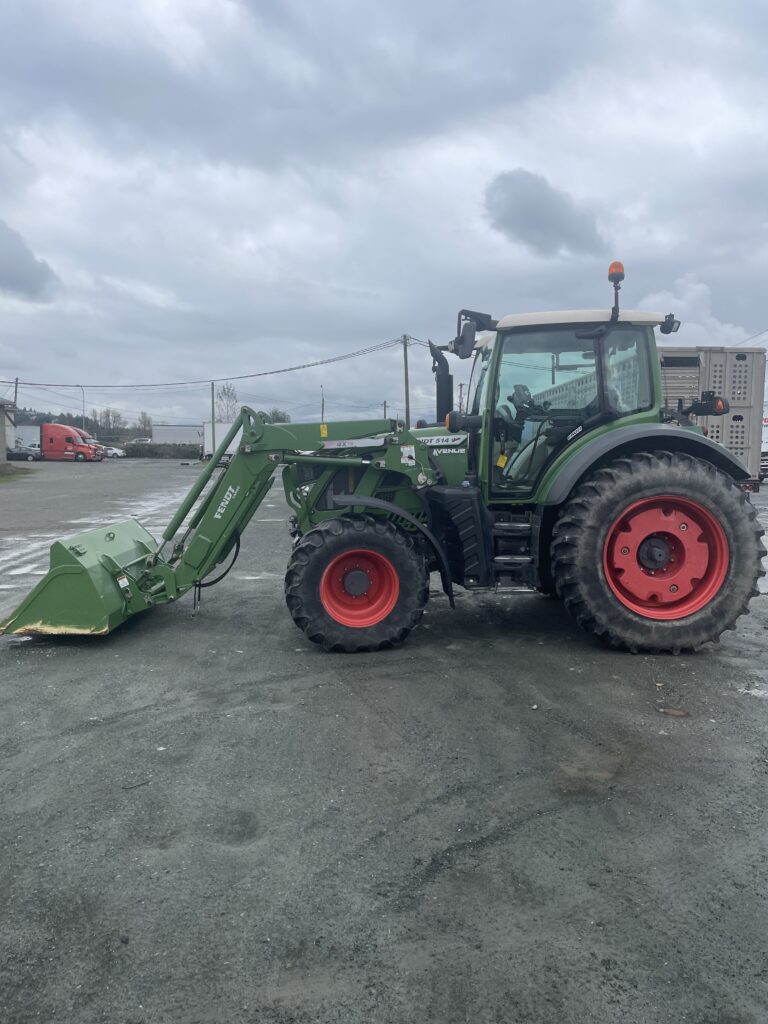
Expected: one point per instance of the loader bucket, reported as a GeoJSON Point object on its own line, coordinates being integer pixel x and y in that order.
{"type": "Point", "coordinates": [81, 594]}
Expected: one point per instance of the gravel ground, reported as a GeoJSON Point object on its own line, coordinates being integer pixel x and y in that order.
{"type": "Point", "coordinates": [205, 819]}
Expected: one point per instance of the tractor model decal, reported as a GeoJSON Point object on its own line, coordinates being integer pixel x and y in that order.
{"type": "Point", "coordinates": [229, 494]}
{"type": "Point", "coordinates": [442, 440]}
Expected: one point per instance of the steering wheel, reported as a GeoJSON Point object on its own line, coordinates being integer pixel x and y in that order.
{"type": "Point", "coordinates": [522, 399]}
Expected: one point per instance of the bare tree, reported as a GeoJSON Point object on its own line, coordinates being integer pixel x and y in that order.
{"type": "Point", "coordinates": [279, 415]}
{"type": "Point", "coordinates": [144, 424]}
{"type": "Point", "coordinates": [227, 403]}
{"type": "Point", "coordinates": [110, 420]}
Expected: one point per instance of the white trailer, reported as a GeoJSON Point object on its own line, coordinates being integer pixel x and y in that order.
{"type": "Point", "coordinates": [222, 429]}
{"type": "Point", "coordinates": [28, 435]}
{"type": "Point", "coordinates": [736, 374]}
{"type": "Point", "coordinates": [177, 433]}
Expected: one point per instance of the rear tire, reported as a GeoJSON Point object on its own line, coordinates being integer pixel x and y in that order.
{"type": "Point", "coordinates": [678, 510]}
{"type": "Point", "coordinates": [356, 584]}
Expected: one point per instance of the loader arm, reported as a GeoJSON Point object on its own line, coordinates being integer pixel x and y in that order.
{"type": "Point", "coordinates": [231, 498]}
{"type": "Point", "coordinates": [99, 579]}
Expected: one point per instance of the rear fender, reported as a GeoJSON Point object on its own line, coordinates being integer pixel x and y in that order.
{"type": "Point", "coordinates": [627, 441]}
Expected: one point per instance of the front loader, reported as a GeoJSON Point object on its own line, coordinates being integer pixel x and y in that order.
{"type": "Point", "coordinates": [566, 476]}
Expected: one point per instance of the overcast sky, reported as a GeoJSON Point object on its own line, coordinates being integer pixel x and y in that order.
{"type": "Point", "coordinates": [200, 188]}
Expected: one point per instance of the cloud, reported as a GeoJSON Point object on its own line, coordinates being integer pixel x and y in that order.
{"type": "Point", "coordinates": [272, 84]}
{"type": "Point", "coordinates": [20, 272]}
{"type": "Point", "coordinates": [527, 209]}
{"type": "Point", "coordinates": [691, 302]}
{"type": "Point", "coordinates": [228, 186]}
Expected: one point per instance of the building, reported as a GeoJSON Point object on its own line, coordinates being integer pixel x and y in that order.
{"type": "Point", "coordinates": [7, 427]}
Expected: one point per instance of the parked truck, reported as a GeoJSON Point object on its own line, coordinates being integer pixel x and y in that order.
{"type": "Point", "coordinates": [62, 443]}
{"type": "Point", "coordinates": [99, 449]}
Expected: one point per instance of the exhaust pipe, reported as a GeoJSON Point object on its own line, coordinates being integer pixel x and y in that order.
{"type": "Point", "coordinates": [443, 384]}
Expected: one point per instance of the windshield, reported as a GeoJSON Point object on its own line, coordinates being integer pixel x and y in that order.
{"type": "Point", "coordinates": [560, 369]}
{"type": "Point", "coordinates": [554, 365]}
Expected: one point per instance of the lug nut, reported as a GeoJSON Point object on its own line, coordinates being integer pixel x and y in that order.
{"type": "Point", "coordinates": [683, 527]}
{"type": "Point", "coordinates": [673, 589]}
{"type": "Point", "coordinates": [625, 551]}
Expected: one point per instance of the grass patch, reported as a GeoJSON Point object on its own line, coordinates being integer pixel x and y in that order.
{"type": "Point", "coordinates": [10, 472]}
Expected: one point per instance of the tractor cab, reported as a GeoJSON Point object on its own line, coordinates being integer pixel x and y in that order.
{"type": "Point", "coordinates": [547, 379]}
{"type": "Point", "coordinates": [542, 382]}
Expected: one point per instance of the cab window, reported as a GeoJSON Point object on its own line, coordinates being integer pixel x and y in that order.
{"type": "Point", "coordinates": [626, 371]}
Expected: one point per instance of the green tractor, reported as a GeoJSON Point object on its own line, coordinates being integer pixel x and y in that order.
{"type": "Point", "coordinates": [565, 475]}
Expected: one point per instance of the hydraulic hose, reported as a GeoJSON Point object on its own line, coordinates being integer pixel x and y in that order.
{"type": "Point", "coordinates": [218, 579]}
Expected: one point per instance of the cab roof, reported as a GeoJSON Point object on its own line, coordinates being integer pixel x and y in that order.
{"type": "Point", "coordinates": [578, 316]}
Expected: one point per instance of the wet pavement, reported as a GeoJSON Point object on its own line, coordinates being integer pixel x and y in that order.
{"type": "Point", "coordinates": [207, 819]}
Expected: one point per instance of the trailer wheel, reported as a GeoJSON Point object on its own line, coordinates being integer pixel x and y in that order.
{"type": "Point", "coordinates": [657, 552]}
{"type": "Point", "coordinates": [356, 584]}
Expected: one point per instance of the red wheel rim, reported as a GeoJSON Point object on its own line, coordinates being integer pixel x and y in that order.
{"type": "Point", "coordinates": [665, 557]}
{"type": "Point", "coordinates": [359, 588]}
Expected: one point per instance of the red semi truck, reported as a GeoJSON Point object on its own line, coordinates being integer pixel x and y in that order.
{"type": "Point", "coordinates": [99, 448]}
{"type": "Point", "coordinates": [60, 443]}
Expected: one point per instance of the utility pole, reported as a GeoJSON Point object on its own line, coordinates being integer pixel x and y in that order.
{"type": "Point", "coordinates": [461, 391]}
{"type": "Point", "coordinates": [16, 393]}
{"type": "Point", "coordinates": [82, 389]}
{"type": "Point", "coordinates": [407, 389]}
{"type": "Point", "coordinates": [213, 421]}
{"type": "Point", "coordinates": [385, 410]}
{"type": "Point", "coordinates": [322, 404]}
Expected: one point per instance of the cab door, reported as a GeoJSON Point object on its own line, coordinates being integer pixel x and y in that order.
{"type": "Point", "coordinates": [554, 384]}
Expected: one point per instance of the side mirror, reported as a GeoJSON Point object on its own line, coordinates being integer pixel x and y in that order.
{"type": "Point", "coordinates": [710, 404]}
{"type": "Point", "coordinates": [468, 323]}
{"type": "Point", "coordinates": [464, 343]}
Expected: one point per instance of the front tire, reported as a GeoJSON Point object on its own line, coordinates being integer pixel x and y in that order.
{"type": "Point", "coordinates": [356, 584]}
{"type": "Point", "coordinates": [79, 457]}
{"type": "Point", "coordinates": [657, 552]}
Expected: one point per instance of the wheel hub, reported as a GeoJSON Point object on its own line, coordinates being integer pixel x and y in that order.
{"type": "Point", "coordinates": [356, 582]}
{"type": "Point", "coordinates": [654, 552]}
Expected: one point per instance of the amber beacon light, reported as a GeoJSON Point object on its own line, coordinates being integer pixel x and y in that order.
{"type": "Point", "coordinates": [616, 272]}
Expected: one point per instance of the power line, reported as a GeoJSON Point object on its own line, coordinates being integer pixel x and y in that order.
{"type": "Point", "coordinates": [45, 394]}
{"type": "Point", "coordinates": [219, 380]}
{"type": "Point", "coordinates": [752, 337]}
